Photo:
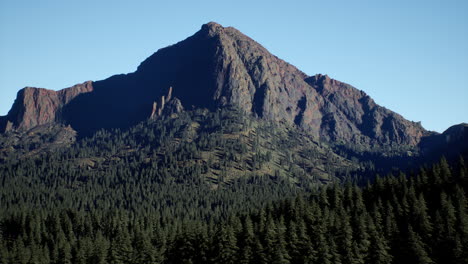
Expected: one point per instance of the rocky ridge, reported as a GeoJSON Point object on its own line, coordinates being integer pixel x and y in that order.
{"type": "Point", "coordinates": [38, 106]}
{"type": "Point", "coordinates": [218, 67]}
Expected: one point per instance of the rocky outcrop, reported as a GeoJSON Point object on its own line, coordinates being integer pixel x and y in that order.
{"type": "Point", "coordinates": [217, 67]}
{"type": "Point", "coordinates": [38, 106]}
{"type": "Point", "coordinates": [245, 74]}
{"type": "Point", "coordinates": [167, 105]}
{"type": "Point", "coordinates": [351, 115]}
{"type": "Point", "coordinates": [257, 81]}
{"type": "Point", "coordinates": [174, 106]}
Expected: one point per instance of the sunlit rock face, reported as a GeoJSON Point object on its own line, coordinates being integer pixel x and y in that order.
{"type": "Point", "coordinates": [217, 67]}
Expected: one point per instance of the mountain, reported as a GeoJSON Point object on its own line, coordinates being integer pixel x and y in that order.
{"type": "Point", "coordinates": [218, 67]}
{"type": "Point", "coordinates": [216, 151]}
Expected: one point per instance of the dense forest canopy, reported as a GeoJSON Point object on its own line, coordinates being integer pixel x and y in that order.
{"type": "Point", "coordinates": [420, 218]}
{"type": "Point", "coordinates": [223, 187]}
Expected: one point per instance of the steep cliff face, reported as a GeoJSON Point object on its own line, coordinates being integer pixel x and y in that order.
{"type": "Point", "coordinates": [257, 81]}
{"type": "Point", "coordinates": [38, 106]}
{"type": "Point", "coordinates": [218, 67]}
{"type": "Point", "coordinates": [247, 75]}
{"type": "Point", "coordinates": [229, 68]}
{"type": "Point", "coordinates": [352, 116]}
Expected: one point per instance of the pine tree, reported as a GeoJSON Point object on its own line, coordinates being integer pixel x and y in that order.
{"type": "Point", "coordinates": [362, 239]}
{"type": "Point", "coordinates": [281, 255]}
{"type": "Point", "coordinates": [121, 250]}
{"type": "Point", "coordinates": [421, 218]}
{"type": "Point", "coordinates": [79, 255]}
{"type": "Point", "coordinates": [448, 215]}
{"type": "Point", "coordinates": [320, 234]}
{"type": "Point", "coordinates": [462, 224]}
{"type": "Point", "coordinates": [445, 171]}
{"type": "Point", "coordinates": [259, 252]}
{"type": "Point", "coordinates": [345, 239]}
{"type": "Point", "coordinates": [225, 246]}
{"type": "Point", "coordinates": [144, 251]}
{"type": "Point", "coordinates": [21, 254]}
{"type": "Point", "coordinates": [65, 255]}
{"type": "Point", "coordinates": [378, 248]}
{"type": "Point", "coordinates": [101, 247]}
{"type": "Point", "coordinates": [246, 242]}
{"type": "Point", "coordinates": [417, 249]}
{"type": "Point", "coordinates": [305, 246]}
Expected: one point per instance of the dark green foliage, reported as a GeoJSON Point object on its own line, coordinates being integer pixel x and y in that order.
{"type": "Point", "coordinates": [338, 224]}
{"type": "Point", "coordinates": [210, 188]}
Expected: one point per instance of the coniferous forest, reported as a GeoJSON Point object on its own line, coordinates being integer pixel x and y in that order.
{"type": "Point", "coordinates": [212, 188]}
{"type": "Point", "coordinates": [420, 218]}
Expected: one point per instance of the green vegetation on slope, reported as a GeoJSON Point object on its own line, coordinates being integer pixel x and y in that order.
{"type": "Point", "coordinates": [213, 147]}
{"type": "Point", "coordinates": [213, 187]}
{"type": "Point", "coordinates": [417, 219]}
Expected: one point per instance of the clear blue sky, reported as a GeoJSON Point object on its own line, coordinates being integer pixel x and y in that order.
{"type": "Point", "coordinates": [411, 56]}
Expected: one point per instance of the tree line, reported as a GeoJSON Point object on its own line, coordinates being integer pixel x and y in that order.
{"type": "Point", "coordinates": [415, 218]}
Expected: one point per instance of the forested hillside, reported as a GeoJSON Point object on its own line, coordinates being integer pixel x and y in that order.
{"type": "Point", "coordinates": [216, 151]}
{"type": "Point", "coordinates": [420, 218]}
{"type": "Point", "coordinates": [213, 187]}
{"type": "Point", "coordinates": [195, 146]}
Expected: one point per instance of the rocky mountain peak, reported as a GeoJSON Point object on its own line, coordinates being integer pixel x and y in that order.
{"type": "Point", "coordinates": [212, 28]}
{"type": "Point", "coordinates": [218, 67]}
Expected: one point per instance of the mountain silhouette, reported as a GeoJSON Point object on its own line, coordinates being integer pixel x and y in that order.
{"type": "Point", "coordinates": [218, 67]}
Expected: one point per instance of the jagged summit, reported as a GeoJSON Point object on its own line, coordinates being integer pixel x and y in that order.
{"type": "Point", "coordinates": [218, 67]}
{"type": "Point", "coordinates": [212, 28]}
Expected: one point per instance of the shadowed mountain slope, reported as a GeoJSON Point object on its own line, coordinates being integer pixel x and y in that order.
{"type": "Point", "coordinates": [217, 67]}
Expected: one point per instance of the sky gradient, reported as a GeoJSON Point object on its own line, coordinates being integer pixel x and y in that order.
{"type": "Point", "coordinates": [409, 56]}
